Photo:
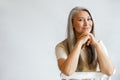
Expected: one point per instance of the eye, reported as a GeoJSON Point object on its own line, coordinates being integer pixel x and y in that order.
{"type": "Point", "coordinates": [89, 19]}
{"type": "Point", "coordinates": [80, 19]}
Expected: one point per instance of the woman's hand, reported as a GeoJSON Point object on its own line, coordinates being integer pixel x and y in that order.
{"type": "Point", "coordinates": [83, 38]}
{"type": "Point", "coordinates": [91, 40]}
{"type": "Point", "coordinates": [87, 38]}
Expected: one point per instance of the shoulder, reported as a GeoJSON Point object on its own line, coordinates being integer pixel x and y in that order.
{"type": "Point", "coordinates": [103, 46]}
{"type": "Point", "coordinates": [61, 49]}
{"type": "Point", "coordinates": [62, 44]}
{"type": "Point", "coordinates": [101, 43]}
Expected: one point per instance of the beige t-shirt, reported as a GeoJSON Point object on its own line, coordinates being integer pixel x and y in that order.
{"type": "Point", "coordinates": [62, 52]}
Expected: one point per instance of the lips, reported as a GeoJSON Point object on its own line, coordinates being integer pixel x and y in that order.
{"type": "Point", "coordinates": [86, 28]}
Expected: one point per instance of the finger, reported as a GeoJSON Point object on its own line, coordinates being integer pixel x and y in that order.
{"type": "Point", "coordinates": [88, 42]}
{"type": "Point", "coordinates": [91, 35]}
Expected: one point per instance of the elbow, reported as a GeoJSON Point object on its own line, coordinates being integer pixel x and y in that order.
{"type": "Point", "coordinates": [67, 72]}
{"type": "Point", "coordinates": [109, 72]}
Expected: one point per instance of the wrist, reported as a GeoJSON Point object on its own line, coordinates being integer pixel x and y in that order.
{"type": "Point", "coordinates": [96, 43]}
{"type": "Point", "coordinates": [79, 43]}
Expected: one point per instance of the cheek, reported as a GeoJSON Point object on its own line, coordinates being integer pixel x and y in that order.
{"type": "Point", "coordinates": [77, 27]}
{"type": "Point", "coordinates": [91, 26]}
{"type": "Point", "coordinates": [76, 24]}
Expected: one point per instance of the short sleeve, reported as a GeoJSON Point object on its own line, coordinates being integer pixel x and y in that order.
{"type": "Point", "coordinates": [60, 51]}
{"type": "Point", "coordinates": [103, 47]}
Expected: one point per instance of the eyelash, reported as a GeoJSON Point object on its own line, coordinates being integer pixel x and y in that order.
{"type": "Point", "coordinates": [87, 19]}
{"type": "Point", "coordinates": [80, 20]}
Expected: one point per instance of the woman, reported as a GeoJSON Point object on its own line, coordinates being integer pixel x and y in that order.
{"type": "Point", "coordinates": [81, 52]}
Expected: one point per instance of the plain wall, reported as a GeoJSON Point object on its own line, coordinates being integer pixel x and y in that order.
{"type": "Point", "coordinates": [30, 30]}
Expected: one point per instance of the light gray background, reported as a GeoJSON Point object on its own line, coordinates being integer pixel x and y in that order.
{"type": "Point", "coordinates": [30, 29]}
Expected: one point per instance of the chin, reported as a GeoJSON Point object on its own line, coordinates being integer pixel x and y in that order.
{"type": "Point", "coordinates": [86, 31]}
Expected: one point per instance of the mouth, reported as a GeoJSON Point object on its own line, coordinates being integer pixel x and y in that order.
{"type": "Point", "coordinates": [86, 28]}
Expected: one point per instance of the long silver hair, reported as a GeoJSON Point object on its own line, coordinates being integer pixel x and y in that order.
{"type": "Point", "coordinates": [71, 38]}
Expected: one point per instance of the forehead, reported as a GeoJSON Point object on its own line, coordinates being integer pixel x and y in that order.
{"type": "Point", "coordinates": [82, 13]}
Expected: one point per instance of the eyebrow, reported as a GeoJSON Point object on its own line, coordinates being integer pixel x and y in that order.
{"type": "Point", "coordinates": [83, 17]}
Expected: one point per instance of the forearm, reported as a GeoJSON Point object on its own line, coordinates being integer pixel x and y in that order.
{"type": "Point", "coordinates": [105, 63]}
{"type": "Point", "coordinates": [70, 64]}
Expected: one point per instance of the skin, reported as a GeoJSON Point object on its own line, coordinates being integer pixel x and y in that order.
{"type": "Point", "coordinates": [82, 25]}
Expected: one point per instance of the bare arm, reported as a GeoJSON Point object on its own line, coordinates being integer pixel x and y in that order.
{"type": "Point", "coordinates": [69, 65]}
{"type": "Point", "coordinates": [105, 63]}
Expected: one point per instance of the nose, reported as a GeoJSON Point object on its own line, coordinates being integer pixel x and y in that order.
{"type": "Point", "coordinates": [85, 22]}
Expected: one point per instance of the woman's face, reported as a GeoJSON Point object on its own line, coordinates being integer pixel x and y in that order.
{"type": "Point", "coordinates": [82, 22]}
